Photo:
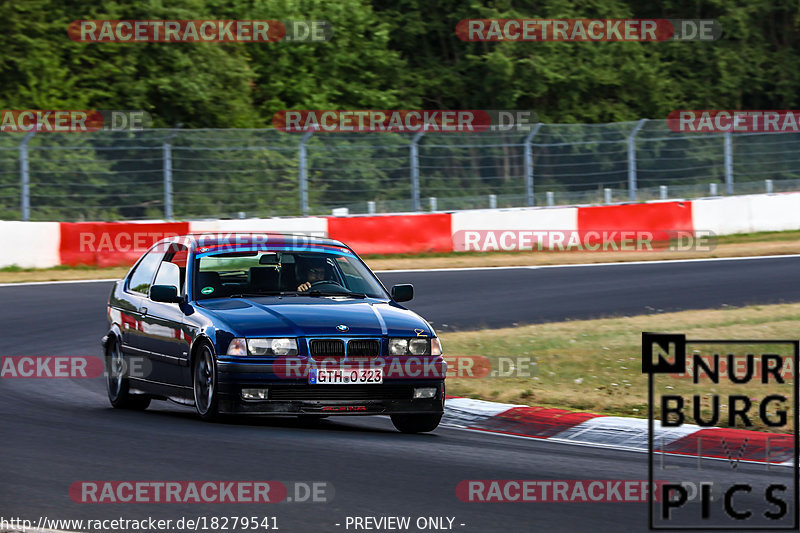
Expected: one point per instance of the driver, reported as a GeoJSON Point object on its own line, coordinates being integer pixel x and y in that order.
{"type": "Point", "coordinates": [311, 272]}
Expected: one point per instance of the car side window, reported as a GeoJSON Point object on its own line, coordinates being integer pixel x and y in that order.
{"type": "Point", "coordinates": [145, 270]}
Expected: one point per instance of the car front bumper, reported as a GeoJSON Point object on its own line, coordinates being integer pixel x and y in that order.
{"type": "Point", "coordinates": [297, 397]}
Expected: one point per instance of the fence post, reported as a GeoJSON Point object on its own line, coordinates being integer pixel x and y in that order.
{"type": "Point", "coordinates": [768, 184]}
{"type": "Point", "coordinates": [492, 201]}
{"type": "Point", "coordinates": [24, 176]}
{"type": "Point", "coordinates": [607, 195]}
{"type": "Point", "coordinates": [166, 151]}
{"type": "Point", "coordinates": [662, 192]}
{"type": "Point", "coordinates": [415, 169]}
{"type": "Point", "coordinates": [303, 171]}
{"type": "Point", "coordinates": [370, 207]}
{"type": "Point", "coordinates": [432, 201]}
{"type": "Point", "coordinates": [529, 164]}
{"type": "Point", "coordinates": [728, 163]}
{"type": "Point", "coordinates": [551, 200]}
{"type": "Point", "coordinates": [632, 160]}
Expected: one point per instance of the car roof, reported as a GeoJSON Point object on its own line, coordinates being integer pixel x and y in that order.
{"type": "Point", "coordinates": [195, 240]}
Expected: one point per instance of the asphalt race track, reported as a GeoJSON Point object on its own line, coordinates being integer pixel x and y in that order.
{"type": "Point", "coordinates": [475, 299]}
{"type": "Point", "coordinates": [58, 431]}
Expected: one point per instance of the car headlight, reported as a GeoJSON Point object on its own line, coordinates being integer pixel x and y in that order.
{"type": "Point", "coordinates": [398, 346]}
{"type": "Point", "coordinates": [418, 346]}
{"type": "Point", "coordinates": [415, 346]}
{"type": "Point", "coordinates": [282, 346]}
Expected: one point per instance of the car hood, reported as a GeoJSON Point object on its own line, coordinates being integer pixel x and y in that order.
{"type": "Point", "coordinates": [316, 316]}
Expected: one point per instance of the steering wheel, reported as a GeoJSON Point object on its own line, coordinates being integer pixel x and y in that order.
{"type": "Point", "coordinates": [324, 282]}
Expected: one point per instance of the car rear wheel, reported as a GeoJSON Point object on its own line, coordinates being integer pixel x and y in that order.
{"type": "Point", "coordinates": [117, 383]}
{"type": "Point", "coordinates": [416, 423]}
{"type": "Point", "coordinates": [205, 384]}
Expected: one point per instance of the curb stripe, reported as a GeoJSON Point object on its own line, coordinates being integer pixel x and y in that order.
{"type": "Point", "coordinates": [622, 433]}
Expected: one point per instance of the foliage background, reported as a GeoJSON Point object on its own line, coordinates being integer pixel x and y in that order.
{"type": "Point", "coordinates": [385, 54]}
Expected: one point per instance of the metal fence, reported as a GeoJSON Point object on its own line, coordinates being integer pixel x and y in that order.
{"type": "Point", "coordinates": [227, 173]}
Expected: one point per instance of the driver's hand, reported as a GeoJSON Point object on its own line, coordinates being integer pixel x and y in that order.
{"type": "Point", "coordinates": [304, 287]}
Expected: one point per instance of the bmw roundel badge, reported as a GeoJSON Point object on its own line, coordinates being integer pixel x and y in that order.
{"type": "Point", "coordinates": [342, 328]}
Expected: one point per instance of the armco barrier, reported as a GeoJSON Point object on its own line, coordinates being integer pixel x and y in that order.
{"type": "Point", "coordinates": [722, 216]}
{"type": "Point", "coordinates": [394, 234]}
{"type": "Point", "coordinates": [48, 244]}
{"type": "Point", "coordinates": [316, 226]}
{"type": "Point", "coordinates": [657, 218]}
{"type": "Point", "coordinates": [29, 244]}
{"type": "Point", "coordinates": [558, 218]}
{"type": "Point", "coordinates": [747, 214]}
{"type": "Point", "coordinates": [106, 244]}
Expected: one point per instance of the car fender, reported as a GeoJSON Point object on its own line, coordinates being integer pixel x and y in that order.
{"type": "Point", "coordinates": [113, 331]}
{"type": "Point", "coordinates": [201, 338]}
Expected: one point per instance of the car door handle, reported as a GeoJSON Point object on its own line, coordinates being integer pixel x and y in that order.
{"type": "Point", "coordinates": [144, 310]}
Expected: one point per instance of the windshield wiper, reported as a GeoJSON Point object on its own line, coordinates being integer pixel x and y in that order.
{"type": "Point", "coordinates": [260, 294]}
{"type": "Point", "coordinates": [331, 293]}
{"type": "Point", "coordinates": [297, 293]}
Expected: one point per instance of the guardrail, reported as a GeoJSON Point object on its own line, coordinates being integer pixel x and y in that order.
{"type": "Point", "coordinates": [180, 174]}
{"type": "Point", "coordinates": [47, 244]}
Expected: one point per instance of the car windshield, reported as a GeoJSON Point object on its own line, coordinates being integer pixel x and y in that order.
{"type": "Point", "coordinates": [253, 273]}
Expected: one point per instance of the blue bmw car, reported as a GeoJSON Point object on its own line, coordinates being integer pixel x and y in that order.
{"type": "Point", "coordinates": [270, 324]}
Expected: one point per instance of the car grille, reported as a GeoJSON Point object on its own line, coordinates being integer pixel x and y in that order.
{"type": "Point", "coordinates": [327, 348]}
{"type": "Point", "coordinates": [334, 348]}
{"type": "Point", "coordinates": [363, 348]}
{"type": "Point", "coordinates": [341, 392]}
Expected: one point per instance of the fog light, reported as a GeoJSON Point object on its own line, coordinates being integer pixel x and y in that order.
{"type": "Point", "coordinates": [254, 394]}
{"type": "Point", "coordinates": [425, 392]}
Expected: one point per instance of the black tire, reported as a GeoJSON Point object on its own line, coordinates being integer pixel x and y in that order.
{"type": "Point", "coordinates": [117, 384]}
{"type": "Point", "coordinates": [204, 384]}
{"type": "Point", "coordinates": [416, 423]}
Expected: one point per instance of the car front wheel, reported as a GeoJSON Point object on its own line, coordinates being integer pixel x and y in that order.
{"type": "Point", "coordinates": [205, 384]}
{"type": "Point", "coordinates": [117, 383]}
{"type": "Point", "coordinates": [416, 423]}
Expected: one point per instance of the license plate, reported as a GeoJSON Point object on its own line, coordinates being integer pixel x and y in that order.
{"type": "Point", "coordinates": [345, 376]}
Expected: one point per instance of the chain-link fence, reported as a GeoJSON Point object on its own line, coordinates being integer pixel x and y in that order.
{"type": "Point", "coordinates": [185, 174]}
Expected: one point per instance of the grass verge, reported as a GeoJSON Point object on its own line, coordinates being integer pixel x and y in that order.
{"type": "Point", "coordinates": [595, 365]}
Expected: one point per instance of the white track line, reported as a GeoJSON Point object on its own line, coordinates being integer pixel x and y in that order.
{"type": "Point", "coordinates": [588, 265]}
{"type": "Point", "coordinates": [24, 283]}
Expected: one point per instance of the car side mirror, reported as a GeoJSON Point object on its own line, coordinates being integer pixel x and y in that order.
{"type": "Point", "coordinates": [164, 293]}
{"type": "Point", "coordinates": [402, 293]}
